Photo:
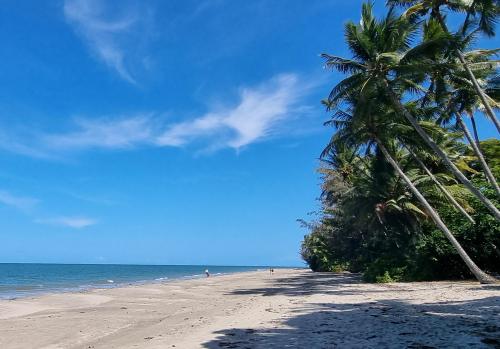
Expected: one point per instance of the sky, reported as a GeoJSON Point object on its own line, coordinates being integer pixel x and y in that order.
{"type": "Point", "coordinates": [164, 132]}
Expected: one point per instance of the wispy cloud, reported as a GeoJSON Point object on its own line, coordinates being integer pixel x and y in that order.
{"type": "Point", "coordinates": [19, 202]}
{"type": "Point", "coordinates": [256, 116]}
{"type": "Point", "coordinates": [70, 222]}
{"type": "Point", "coordinates": [20, 143]}
{"type": "Point", "coordinates": [28, 205]}
{"type": "Point", "coordinates": [259, 112]}
{"type": "Point", "coordinates": [104, 33]}
{"type": "Point", "coordinates": [105, 133]}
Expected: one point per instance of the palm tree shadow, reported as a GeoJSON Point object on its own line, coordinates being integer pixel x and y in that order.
{"type": "Point", "coordinates": [386, 323]}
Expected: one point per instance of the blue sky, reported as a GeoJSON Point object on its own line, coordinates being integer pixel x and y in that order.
{"type": "Point", "coordinates": [163, 132]}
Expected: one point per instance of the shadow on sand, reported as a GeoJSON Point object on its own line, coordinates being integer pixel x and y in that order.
{"type": "Point", "coordinates": [385, 323]}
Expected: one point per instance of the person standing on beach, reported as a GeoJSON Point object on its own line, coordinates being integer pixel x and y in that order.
{"type": "Point", "coordinates": [207, 273]}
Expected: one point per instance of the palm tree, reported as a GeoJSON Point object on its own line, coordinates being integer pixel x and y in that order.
{"type": "Point", "coordinates": [371, 201]}
{"type": "Point", "coordinates": [481, 14]}
{"type": "Point", "coordinates": [477, 151]}
{"type": "Point", "coordinates": [446, 193]}
{"type": "Point", "coordinates": [384, 61]}
{"type": "Point", "coordinates": [452, 92]}
{"type": "Point", "coordinates": [445, 140]}
{"type": "Point", "coordinates": [481, 276]}
{"type": "Point", "coordinates": [464, 101]}
{"type": "Point", "coordinates": [366, 125]}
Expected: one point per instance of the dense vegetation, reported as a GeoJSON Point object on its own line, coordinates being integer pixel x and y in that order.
{"type": "Point", "coordinates": [408, 191]}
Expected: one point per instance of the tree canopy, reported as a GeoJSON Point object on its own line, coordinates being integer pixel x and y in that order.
{"type": "Point", "coordinates": [408, 191]}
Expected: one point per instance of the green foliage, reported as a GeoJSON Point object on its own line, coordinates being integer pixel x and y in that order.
{"type": "Point", "coordinates": [317, 249]}
{"type": "Point", "coordinates": [316, 253]}
{"type": "Point", "coordinates": [491, 152]}
{"type": "Point", "coordinates": [384, 271]}
{"type": "Point", "coordinates": [384, 279]}
{"type": "Point", "coordinates": [405, 67]}
{"type": "Point", "coordinates": [437, 259]}
{"type": "Point", "coordinates": [365, 230]}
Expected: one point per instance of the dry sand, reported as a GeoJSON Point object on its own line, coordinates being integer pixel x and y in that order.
{"type": "Point", "coordinates": [292, 309]}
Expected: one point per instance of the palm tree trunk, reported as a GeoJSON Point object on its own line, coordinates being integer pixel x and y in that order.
{"type": "Point", "coordinates": [481, 276]}
{"type": "Point", "coordinates": [456, 172]}
{"type": "Point", "coordinates": [442, 188]}
{"type": "Point", "coordinates": [474, 129]}
{"type": "Point", "coordinates": [479, 90]}
{"type": "Point", "coordinates": [479, 154]}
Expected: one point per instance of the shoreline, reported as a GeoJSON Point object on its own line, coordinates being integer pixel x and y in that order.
{"type": "Point", "coordinates": [293, 308]}
{"type": "Point", "coordinates": [111, 284]}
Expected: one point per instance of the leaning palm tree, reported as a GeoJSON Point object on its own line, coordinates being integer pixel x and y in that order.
{"type": "Point", "coordinates": [481, 16]}
{"type": "Point", "coordinates": [481, 276]}
{"type": "Point", "coordinates": [382, 201]}
{"type": "Point", "coordinates": [462, 101]}
{"type": "Point", "coordinates": [451, 91]}
{"type": "Point", "coordinates": [467, 99]}
{"type": "Point", "coordinates": [367, 125]}
{"type": "Point", "coordinates": [444, 139]}
{"type": "Point", "coordinates": [474, 143]}
{"type": "Point", "coordinates": [453, 105]}
{"type": "Point", "coordinates": [384, 61]}
{"type": "Point", "coordinates": [441, 187]}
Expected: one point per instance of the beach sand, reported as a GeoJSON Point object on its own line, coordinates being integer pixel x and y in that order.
{"type": "Point", "coordinates": [291, 309]}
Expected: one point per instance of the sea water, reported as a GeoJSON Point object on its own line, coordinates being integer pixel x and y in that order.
{"type": "Point", "coordinates": [30, 279]}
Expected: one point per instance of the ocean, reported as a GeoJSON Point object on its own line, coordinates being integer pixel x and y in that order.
{"type": "Point", "coordinates": [19, 280]}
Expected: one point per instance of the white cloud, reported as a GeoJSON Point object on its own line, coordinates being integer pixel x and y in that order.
{"type": "Point", "coordinates": [104, 133]}
{"type": "Point", "coordinates": [102, 33]}
{"type": "Point", "coordinates": [19, 202]}
{"type": "Point", "coordinates": [70, 222]}
{"type": "Point", "coordinates": [27, 203]}
{"type": "Point", "coordinates": [256, 116]}
{"type": "Point", "coordinates": [260, 112]}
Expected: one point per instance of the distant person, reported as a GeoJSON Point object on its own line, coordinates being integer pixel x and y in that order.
{"type": "Point", "coordinates": [207, 273]}
{"type": "Point", "coordinates": [271, 271]}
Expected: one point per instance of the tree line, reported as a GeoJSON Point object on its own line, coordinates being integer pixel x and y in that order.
{"type": "Point", "coordinates": [409, 192]}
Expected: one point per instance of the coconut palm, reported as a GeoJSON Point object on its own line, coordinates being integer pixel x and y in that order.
{"type": "Point", "coordinates": [441, 187]}
{"type": "Point", "coordinates": [452, 92]}
{"type": "Point", "coordinates": [444, 139]}
{"type": "Point", "coordinates": [450, 89]}
{"type": "Point", "coordinates": [384, 61]}
{"type": "Point", "coordinates": [372, 196]}
{"type": "Point", "coordinates": [365, 124]}
{"type": "Point", "coordinates": [481, 16]}
{"type": "Point", "coordinates": [463, 102]}
{"type": "Point", "coordinates": [477, 151]}
{"type": "Point", "coordinates": [481, 276]}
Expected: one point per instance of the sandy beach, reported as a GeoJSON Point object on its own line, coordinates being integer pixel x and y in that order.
{"type": "Point", "coordinates": [291, 309]}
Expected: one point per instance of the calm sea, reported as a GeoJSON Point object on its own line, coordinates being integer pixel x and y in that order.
{"type": "Point", "coordinates": [29, 279]}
